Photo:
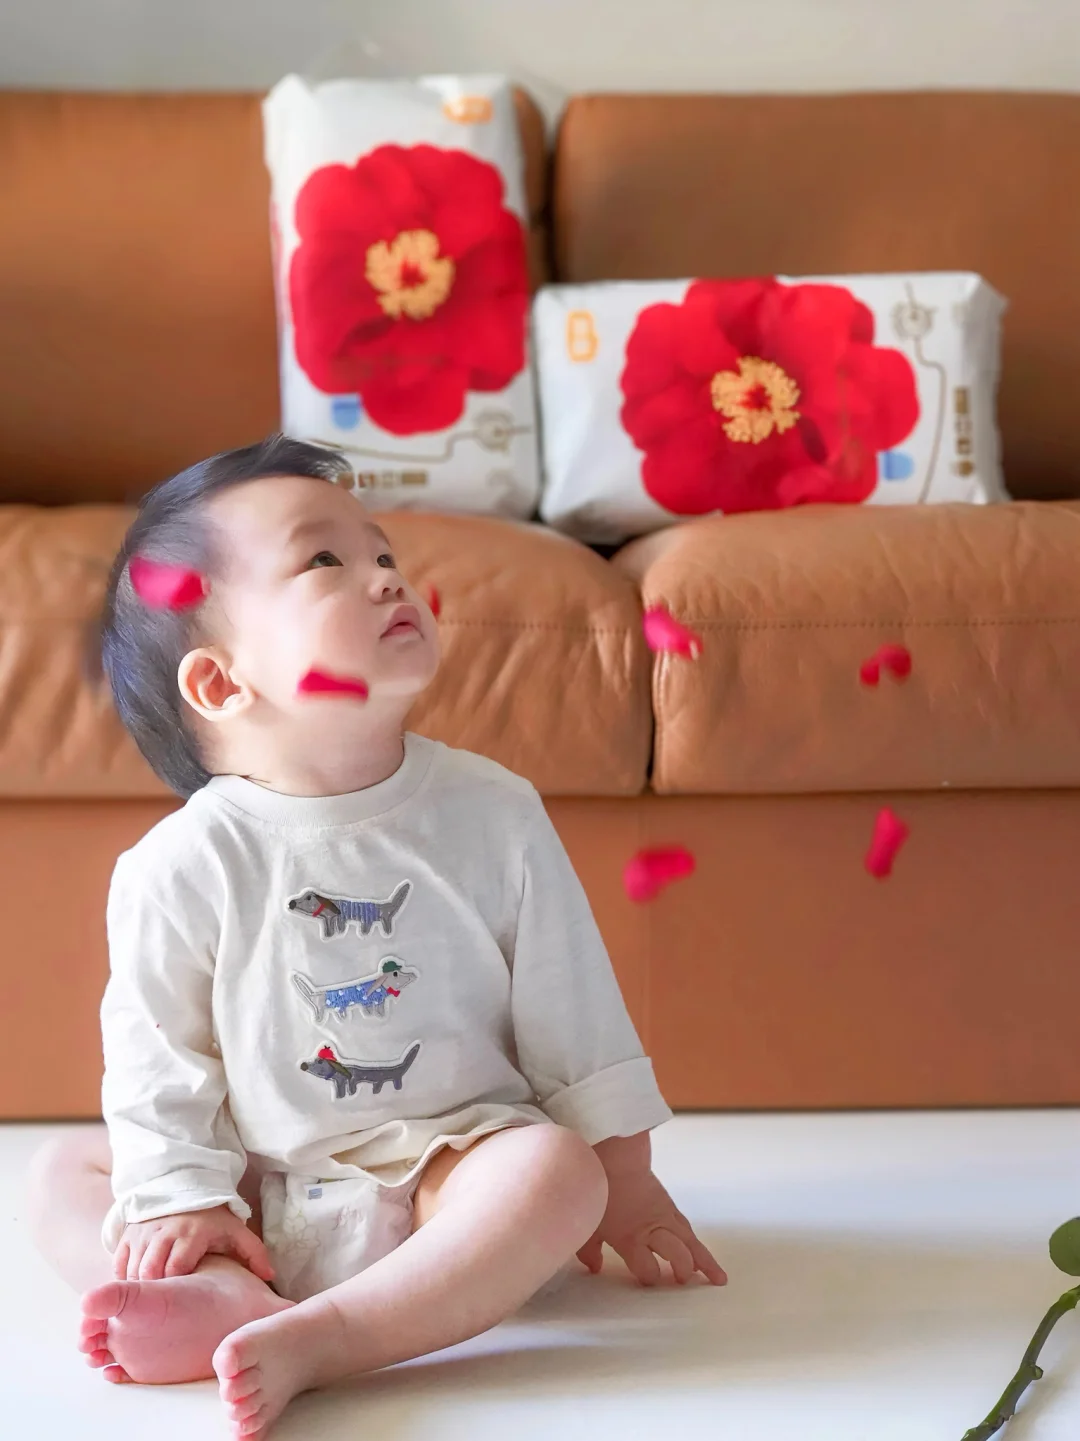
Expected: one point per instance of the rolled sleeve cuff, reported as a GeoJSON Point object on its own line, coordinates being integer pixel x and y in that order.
{"type": "Point", "coordinates": [169, 1196]}
{"type": "Point", "coordinates": [618, 1101]}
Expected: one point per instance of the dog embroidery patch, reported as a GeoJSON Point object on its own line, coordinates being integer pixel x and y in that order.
{"type": "Point", "coordinates": [348, 1076]}
{"type": "Point", "coordinates": [337, 913]}
{"type": "Point", "coordinates": [372, 993]}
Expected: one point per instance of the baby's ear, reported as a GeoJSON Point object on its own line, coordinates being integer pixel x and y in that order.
{"type": "Point", "coordinates": [207, 685]}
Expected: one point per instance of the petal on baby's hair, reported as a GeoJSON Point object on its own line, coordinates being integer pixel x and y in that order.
{"type": "Point", "coordinates": [320, 682]}
{"type": "Point", "coordinates": [648, 872]}
{"type": "Point", "coordinates": [664, 633]}
{"type": "Point", "coordinates": [890, 833]}
{"type": "Point", "coordinates": [166, 587]}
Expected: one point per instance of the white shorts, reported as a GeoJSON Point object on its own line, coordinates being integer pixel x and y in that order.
{"type": "Point", "coordinates": [319, 1233]}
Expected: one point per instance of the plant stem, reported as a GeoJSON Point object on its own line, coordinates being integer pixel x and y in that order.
{"type": "Point", "coordinates": [1029, 1370]}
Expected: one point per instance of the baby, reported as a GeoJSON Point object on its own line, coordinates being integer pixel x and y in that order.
{"type": "Point", "coordinates": [369, 1080]}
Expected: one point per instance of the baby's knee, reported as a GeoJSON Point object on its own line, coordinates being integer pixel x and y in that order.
{"type": "Point", "coordinates": [67, 1155]}
{"type": "Point", "coordinates": [572, 1168]}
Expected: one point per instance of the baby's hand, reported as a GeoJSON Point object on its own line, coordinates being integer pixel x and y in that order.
{"type": "Point", "coordinates": [174, 1245]}
{"type": "Point", "coordinates": [641, 1219]}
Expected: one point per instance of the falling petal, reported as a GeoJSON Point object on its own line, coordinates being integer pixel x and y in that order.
{"type": "Point", "coordinates": [896, 659]}
{"type": "Point", "coordinates": [650, 870]}
{"type": "Point", "coordinates": [664, 633]}
{"type": "Point", "coordinates": [890, 833]}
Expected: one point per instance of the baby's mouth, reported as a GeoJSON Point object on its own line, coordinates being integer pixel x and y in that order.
{"type": "Point", "coordinates": [404, 621]}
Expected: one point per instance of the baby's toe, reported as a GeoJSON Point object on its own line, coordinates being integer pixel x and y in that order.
{"type": "Point", "coordinates": [100, 1358]}
{"type": "Point", "coordinates": [252, 1426]}
{"type": "Point", "coordinates": [238, 1389]}
{"type": "Point", "coordinates": [93, 1336]}
{"type": "Point", "coordinates": [116, 1374]}
{"type": "Point", "coordinates": [104, 1302]}
{"type": "Point", "coordinates": [236, 1354]}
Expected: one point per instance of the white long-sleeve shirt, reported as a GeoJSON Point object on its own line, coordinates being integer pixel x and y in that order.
{"type": "Point", "coordinates": [326, 985]}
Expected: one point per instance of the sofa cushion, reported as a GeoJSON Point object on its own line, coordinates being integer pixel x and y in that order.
{"type": "Point", "coordinates": [651, 186]}
{"type": "Point", "coordinates": [788, 606]}
{"type": "Point", "coordinates": [544, 667]}
{"type": "Point", "coordinates": [135, 286]}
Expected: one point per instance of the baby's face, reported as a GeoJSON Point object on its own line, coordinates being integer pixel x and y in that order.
{"type": "Point", "coordinates": [310, 582]}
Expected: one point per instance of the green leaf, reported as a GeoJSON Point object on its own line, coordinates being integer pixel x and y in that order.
{"type": "Point", "coordinates": [1065, 1247]}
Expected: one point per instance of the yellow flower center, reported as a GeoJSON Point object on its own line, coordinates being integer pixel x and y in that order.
{"type": "Point", "coordinates": [412, 278]}
{"type": "Point", "coordinates": [757, 399]}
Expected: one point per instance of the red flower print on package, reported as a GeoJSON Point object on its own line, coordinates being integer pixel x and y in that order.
{"type": "Point", "coordinates": [409, 285]}
{"type": "Point", "coordinates": [754, 395]}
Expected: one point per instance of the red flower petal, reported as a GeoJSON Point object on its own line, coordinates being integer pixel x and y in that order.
{"type": "Point", "coordinates": [491, 349]}
{"type": "Point", "coordinates": [650, 870]}
{"type": "Point", "coordinates": [650, 352]}
{"type": "Point", "coordinates": [896, 659]}
{"type": "Point", "coordinates": [890, 833]}
{"type": "Point", "coordinates": [411, 371]}
{"type": "Point", "coordinates": [326, 1053]}
{"type": "Point", "coordinates": [664, 633]}
{"type": "Point", "coordinates": [654, 417]}
{"type": "Point", "coordinates": [887, 380]}
{"type": "Point", "coordinates": [166, 587]}
{"type": "Point", "coordinates": [853, 399]}
{"type": "Point", "coordinates": [434, 601]}
{"type": "Point", "coordinates": [467, 198]}
{"type": "Point", "coordinates": [733, 306]}
{"type": "Point", "coordinates": [320, 682]}
{"type": "Point", "coordinates": [409, 400]}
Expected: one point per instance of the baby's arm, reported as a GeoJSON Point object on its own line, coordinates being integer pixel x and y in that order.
{"type": "Point", "coordinates": [579, 1049]}
{"type": "Point", "coordinates": [175, 1150]}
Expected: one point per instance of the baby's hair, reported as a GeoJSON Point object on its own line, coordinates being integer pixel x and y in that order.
{"type": "Point", "coordinates": [140, 648]}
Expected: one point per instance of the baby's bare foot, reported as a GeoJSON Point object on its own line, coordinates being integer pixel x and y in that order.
{"type": "Point", "coordinates": [164, 1331]}
{"type": "Point", "coordinates": [264, 1364]}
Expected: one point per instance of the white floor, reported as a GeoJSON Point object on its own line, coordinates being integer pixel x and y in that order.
{"type": "Point", "coordinates": [886, 1275]}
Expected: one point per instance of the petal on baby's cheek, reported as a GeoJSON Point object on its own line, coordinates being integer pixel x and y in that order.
{"type": "Point", "coordinates": [166, 587]}
{"type": "Point", "coordinates": [320, 682]}
{"type": "Point", "coordinates": [434, 601]}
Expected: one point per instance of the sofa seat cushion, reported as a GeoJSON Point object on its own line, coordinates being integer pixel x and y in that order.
{"type": "Point", "coordinates": [788, 606]}
{"type": "Point", "coordinates": [544, 666]}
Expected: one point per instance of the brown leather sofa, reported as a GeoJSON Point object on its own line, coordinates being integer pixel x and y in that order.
{"type": "Point", "coordinates": [137, 334]}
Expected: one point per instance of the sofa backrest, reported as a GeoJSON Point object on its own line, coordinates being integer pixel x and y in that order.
{"type": "Point", "coordinates": [137, 327]}
{"type": "Point", "coordinates": [672, 186]}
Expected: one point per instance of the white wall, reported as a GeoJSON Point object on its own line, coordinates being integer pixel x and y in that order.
{"type": "Point", "coordinates": [560, 45]}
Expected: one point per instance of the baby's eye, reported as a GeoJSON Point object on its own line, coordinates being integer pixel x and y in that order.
{"type": "Point", "coordinates": [386, 560]}
{"type": "Point", "coordinates": [324, 557]}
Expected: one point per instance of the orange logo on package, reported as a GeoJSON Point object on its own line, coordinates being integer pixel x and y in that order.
{"type": "Point", "coordinates": [469, 109]}
{"type": "Point", "coordinates": [582, 341]}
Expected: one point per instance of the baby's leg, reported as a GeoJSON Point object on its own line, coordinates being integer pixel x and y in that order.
{"type": "Point", "coordinates": [69, 1193]}
{"type": "Point", "coordinates": [496, 1223]}
{"type": "Point", "coordinates": [153, 1331]}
